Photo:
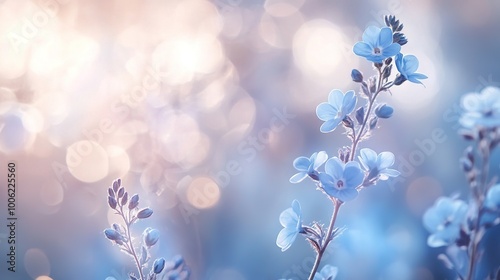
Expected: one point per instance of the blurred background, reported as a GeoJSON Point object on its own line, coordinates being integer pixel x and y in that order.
{"type": "Point", "coordinates": [202, 106]}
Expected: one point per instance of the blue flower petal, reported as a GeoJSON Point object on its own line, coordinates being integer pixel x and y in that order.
{"type": "Point", "coordinates": [362, 49]}
{"type": "Point", "coordinates": [299, 177]}
{"type": "Point", "coordinates": [330, 125]}
{"type": "Point", "coordinates": [335, 98]}
{"type": "Point", "coordinates": [391, 50]}
{"type": "Point", "coordinates": [326, 111]}
{"type": "Point", "coordinates": [301, 163]}
{"type": "Point", "coordinates": [321, 158]}
{"type": "Point", "coordinates": [348, 102]}
{"type": "Point", "coordinates": [285, 238]}
{"type": "Point", "coordinates": [371, 35]}
{"type": "Point", "coordinates": [385, 160]}
{"type": "Point", "coordinates": [385, 37]}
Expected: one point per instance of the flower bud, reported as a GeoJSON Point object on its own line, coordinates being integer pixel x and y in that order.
{"type": "Point", "coordinates": [111, 192]}
{"type": "Point", "coordinates": [124, 198]}
{"type": "Point", "coordinates": [121, 191]}
{"type": "Point", "coordinates": [112, 202]}
{"type": "Point", "coordinates": [158, 265]}
{"type": "Point", "coordinates": [348, 122]}
{"type": "Point", "coordinates": [178, 261]}
{"type": "Point", "coordinates": [151, 236]}
{"type": "Point", "coordinates": [384, 111]}
{"type": "Point", "coordinates": [356, 76]}
{"type": "Point", "coordinates": [134, 202]}
{"type": "Point", "coordinates": [112, 234]}
{"type": "Point", "coordinates": [144, 213]}
{"type": "Point", "coordinates": [115, 186]}
{"type": "Point", "coordinates": [388, 61]}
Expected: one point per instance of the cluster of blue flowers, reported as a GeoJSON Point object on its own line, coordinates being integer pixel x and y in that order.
{"type": "Point", "coordinates": [120, 235]}
{"type": "Point", "coordinates": [343, 176]}
{"type": "Point", "coordinates": [454, 223]}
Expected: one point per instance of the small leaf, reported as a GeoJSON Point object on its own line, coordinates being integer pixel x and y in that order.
{"type": "Point", "coordinates": [144, 255]}
{"type": "Point", "coordinates": [373, 123]}
{"type": "Point", "coordinates": [360, 114]}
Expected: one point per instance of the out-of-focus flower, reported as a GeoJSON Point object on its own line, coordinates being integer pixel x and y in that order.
{"type": "Point", "coordinates": [291, 220]}
{"type": "Point", "coordinates": [444, 220]}
{"type": "Point", "coordinates": [377, 166]}
{"type": "Point", "coordinates": [493, 197]}
{"type": "Point", "coordinates": [407, 65]}
{"type": "Point", "coordinates": [328, 272]}
{"type": "Point", "coordinates": [481, 109]}
{"type": "Point", "coordinates": [377, 44]}
{"type": "Point", "coordinates": [341, 180]}
{"type": "Point", "coordinates": [308, 166]}
{"type": "Point", "coordinates": [334, 111]}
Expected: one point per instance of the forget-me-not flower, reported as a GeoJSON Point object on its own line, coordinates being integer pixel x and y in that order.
{"type": "Point", "coordinates": [334, 111]}
{"type": "Point", "coordinates": [481, 109]}
{"type": "Point", "coordinates": [291, 220]}
{"type": "Point", "coordinates": [407, 65]}
{"type": "Point", "coordinates": [377, 166]}
{"type": "Point", "coordinates": [444, 220]}
{"type": "Point", "coordinates": [308, 166]}
{"type": "Point", "coordinates": [328, 272]}
{"type": "Point", "coordinates": [377, 44]}
{"type": "Point", "coordinates": [341, 180]}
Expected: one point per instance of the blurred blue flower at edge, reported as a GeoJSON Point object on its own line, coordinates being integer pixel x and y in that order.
{"type": "Point", "coordinates": [291, 220]}
{"type": "Point", "coordinates": [308, 166]}
{"type": "Point", "coordinates": [334, 111]}
{"type": "Point", "coordinates": [341, 180]}
{"type": "Point", "coordinates": [444, 220]}
{"type": "Point", "coordinates": [481, 109]}
{"type": "Point", "coordinates": [377, 44]}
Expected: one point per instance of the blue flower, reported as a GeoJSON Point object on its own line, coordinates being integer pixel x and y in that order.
{"type": "Point", "coordinates": [444, 220]}
{"type": "Point", "coordinates": [291, 220]}
{"type": "Point", "coordinates": [333, 112]}
{"type": "Point", "coordinates": [328, 272]}
{"type": "Point", "coordinates": [407, 66]}
{"type": "Point", "coordinates": [341, 180]}
{"type": "Point", "coordinates": [377, 44]}
{"type": "Point", "coordinates": [308, 166]}
{"type": "Point", "coordinates": [377, 166]}
{"type": "Point", "coordinates": [481, 109]}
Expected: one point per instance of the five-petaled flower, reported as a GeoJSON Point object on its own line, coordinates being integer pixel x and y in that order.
{"type": "Point", "coordinates": [407, 65]}
{"type": "Point", "coordinates": [377, 166]}
{"type": "Point", "coordinates": [377, 44]}
{"type": "Point", "coordinates": [328, 272]}
{"type": "Point", "coordinates": [291, 220]}
{"type": "Point", "coordinates": [308, 166]}
{"type": "Point", "coordinates": [481, 109]}
{"type": "Point", "coordinates": [341, 180]}
{"type": "Point", "coordinates": [444, 220]}
{"type": "Point", "coordinates": [334, 111]}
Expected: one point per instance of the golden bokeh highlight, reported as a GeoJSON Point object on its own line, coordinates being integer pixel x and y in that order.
{"type": "Point", "coordinates": [203, 192]}
{"type": "Point", "coordinates": [87, 161]}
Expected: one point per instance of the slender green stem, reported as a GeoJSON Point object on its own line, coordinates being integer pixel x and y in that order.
{"type": "Point", "coordinates": [327, 239]}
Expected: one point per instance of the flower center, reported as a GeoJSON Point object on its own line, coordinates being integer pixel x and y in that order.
{"type": "Point", "coordinates": [376, 50]}
{"type": "Point", "coordinates": [340, 184]}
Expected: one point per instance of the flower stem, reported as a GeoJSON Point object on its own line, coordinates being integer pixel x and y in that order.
{"type": "Point", "coordinates": [479, 204]}
{"type": "Point", "coordinates": [130, 244]}
{"type": "Point", "coordinates": [371, 101]}
{"type": "Point", "coordinates": [327, 239]}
